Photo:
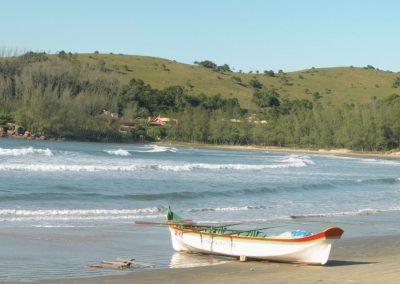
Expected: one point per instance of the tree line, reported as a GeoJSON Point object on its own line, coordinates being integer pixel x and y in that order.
{"type": "Point", "coordinates": [60, 96]}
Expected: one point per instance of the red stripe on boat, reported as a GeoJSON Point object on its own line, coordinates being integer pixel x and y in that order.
{"type": "Point", "coordinates": [331, 233]}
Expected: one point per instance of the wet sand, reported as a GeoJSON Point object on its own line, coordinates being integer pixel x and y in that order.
{"type": "Point", "coordinates": [356, 260]}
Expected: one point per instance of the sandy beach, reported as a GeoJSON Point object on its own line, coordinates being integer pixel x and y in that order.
{"type": "Point", "coordinates": [356, 260]}
{"type": "Point", "coordinates": [54, 223]}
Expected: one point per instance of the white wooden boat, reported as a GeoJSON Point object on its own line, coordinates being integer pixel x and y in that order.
{"type": "Point", "coordinates": [311, 249]}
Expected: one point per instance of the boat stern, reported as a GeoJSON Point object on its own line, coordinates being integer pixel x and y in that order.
{"type": "Point", "coordinates": [333, 233]}
{"type": "Point", "coordinates": [319, 254]}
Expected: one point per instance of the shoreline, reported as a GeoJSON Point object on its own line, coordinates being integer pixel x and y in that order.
{"type": "Point", "coordinates": [391, 154]}
{"type": "Point", "coordinates": [332, 152]}
{"type": "Point", "coordinates": [353, 260]}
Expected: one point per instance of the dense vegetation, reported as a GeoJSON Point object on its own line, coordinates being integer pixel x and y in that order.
{"type": "Point", "coordinates": [66, 95]}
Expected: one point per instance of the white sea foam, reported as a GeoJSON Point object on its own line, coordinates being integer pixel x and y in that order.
{"type": "Point", "coordinates": [78, 214]}
{"type": "Point", "coordinates": [157, 149]}
{"type": "Point", "coordinates": [67, 168]}
{"type": "Point", "coordinates": [228, 209]}
{"type": "Point", "coordinates": [365, 160]}
{"type": "Point", "coordinates": [181, 167]}
{"type": "Point", "coordinates": [361, 212]}
{"type": "Point", "coordinates": [61, 226]}
{"type": "Point", "coordinates": [119, 152]}
{"type": "Point", "coordinates": [297, 161]}
{"type": "Point", "coordinates": [380, 162]}
{"type": "Point", "coordinates": [25, 151]}
{"type": "Point", "coordinates": [145, 165]}
{"type": "Point", "coordinates": [190, 166]}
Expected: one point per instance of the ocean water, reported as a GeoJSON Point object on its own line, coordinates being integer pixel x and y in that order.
{"type": "Point", "coordinates": [66, 204]}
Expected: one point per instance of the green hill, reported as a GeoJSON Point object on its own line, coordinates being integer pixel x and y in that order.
{"type": "Point", "coordinates": [109, 97]}
{"type": "Point", "coordinates": [334, 85]}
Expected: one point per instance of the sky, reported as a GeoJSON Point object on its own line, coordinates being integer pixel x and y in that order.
{"type": "Point", "coordinates": [247, 34]}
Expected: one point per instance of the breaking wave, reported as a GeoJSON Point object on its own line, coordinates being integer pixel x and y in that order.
{"type": "Point", "coordinates": [67, 168]}
{"type": "Point", "coordinates": [25, 151]}
{"type": "Point", "coordinates": [297, 161]}
{"type": "Point", "coordinates": [174, 195]}
{"type": "Point", "coordinates": [156, 149]}
{"type": "Point", "coordinates": [182, 195]}
{"type": "Point", "coordinates": [379, 180]}
{"type": "Point", "coordinates": [42, 167]}
{"type": "Point", "coordinates": [119, 152]}
{"type": "Point", "coordinates": [361, 212]}
{"type": "Point", "coordinates": [227, 209]}
{"type": "Point", "coordinates": [79, 214]}
{"type": "Point", "coordinates": [380, 162]}
{"type": "Point", "coordinates": [61, 226]}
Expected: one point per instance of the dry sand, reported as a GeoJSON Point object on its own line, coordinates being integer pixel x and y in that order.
{"type": "Point", "coordinates": [359, 260]}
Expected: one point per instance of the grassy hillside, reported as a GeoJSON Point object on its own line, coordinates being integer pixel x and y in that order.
{"type": "Point", "coordinates": [334, 85]}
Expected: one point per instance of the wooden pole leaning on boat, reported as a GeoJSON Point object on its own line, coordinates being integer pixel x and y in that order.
{"type": "Point", "coordinates": [186, 222]}
{"type": "Point", "coordinates": [183, 222]}
{"type": "Point", "coordinates": [256, 229]}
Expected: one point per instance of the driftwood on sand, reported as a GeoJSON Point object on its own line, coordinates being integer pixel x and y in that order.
{"type": "Point", "coordinates": [121, 264]}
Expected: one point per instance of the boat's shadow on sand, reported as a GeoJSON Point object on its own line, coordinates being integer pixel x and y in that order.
{"type": "Point", "coordinates": [336, 263]}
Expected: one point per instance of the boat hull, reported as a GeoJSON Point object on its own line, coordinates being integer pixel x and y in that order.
{"type": "Point", "coordinates": [314, 249]}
